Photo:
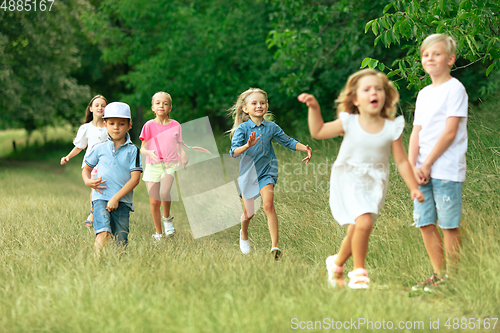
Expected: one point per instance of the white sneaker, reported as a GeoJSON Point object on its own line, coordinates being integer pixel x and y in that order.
{"type": "Point", "coordinates": [157, 238]}
{"type": "Point", "coordinates": [244, 245]}
{"type": "Point", "coordinates": [169, 226]}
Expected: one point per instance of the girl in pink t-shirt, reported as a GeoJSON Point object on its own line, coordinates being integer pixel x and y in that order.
{"type": "Point", "coordinates": [162, 145]}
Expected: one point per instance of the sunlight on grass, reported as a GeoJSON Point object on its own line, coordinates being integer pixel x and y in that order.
{"type": "Point", "coordinates": [7, 137]}
{"type": "Point", "coordinates": [52, 282]}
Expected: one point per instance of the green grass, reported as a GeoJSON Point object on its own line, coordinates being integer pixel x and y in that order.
{"type": "Point", "coordinates": [60, 134]}
{"type": "Point", "coordinates": [51, 281]}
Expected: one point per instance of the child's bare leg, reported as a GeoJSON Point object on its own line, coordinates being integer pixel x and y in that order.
{"type": "Point", "coordinates": [101, 239]}
{"type": "Point", "coordinates": [452, 242]}
{"type": "Point", "coordinates": [91, 215]}
{"type": "Point", "coordinates": [155, 204]}
{"type": "Point", "coordinates": [360, 237]}
{"type": "Point", "coordinates": [346, 247]}
{"type": "Point", "coordinates": [267, 193]}
{"type": "Point", "coordinates": [248, 213]}
{"type": "Point", "coordinates": [434, 246]}
{"type": "Point", "coordinates": [166, 185]}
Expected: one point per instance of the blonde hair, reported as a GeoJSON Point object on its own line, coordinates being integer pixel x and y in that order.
{"type": "Point", "coordinates": [236, 111]}
{"type": "Point", "coordinates": [451, 45]}
{"type": "Point", "coordinates": [88, 115]}
{"type": "Point", "coordinates": [161, 93]}
{"type": "Point", "coordinates": [348, 93]}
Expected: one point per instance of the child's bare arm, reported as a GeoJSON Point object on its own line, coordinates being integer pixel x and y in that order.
{"type": "Point", "coordinates": [135, 178]}
{"type": "Point", "coordinates": [306, 149]}
{"type": "Point", "coordinates": [317, 127]}
{"type": "Point", "coordinates": [413, 150]}
{"type": "Point", "coordinates": [182, 154]}
{"type": "Point", "coordinates": [405, 169]}
{"type": "Point", "coordinates": [75, 151]}
{"type": "Point", "coordinates": [251, 142]}
{"type": "Point", "coordinates": [150, 153]}
{"type": "Point", "coordinates": [444, 141]}
{"type": "Point", "coordinates": [92, 183]}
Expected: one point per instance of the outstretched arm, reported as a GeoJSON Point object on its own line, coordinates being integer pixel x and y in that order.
{"type": "Point", "coordinates": [405, 170]}
{"type": "Point", "coordinates": [75, 151]}
{"type": "Point", "coordinates": [306, 149]}
{"type": "Point", "coordinates": [318, 129]}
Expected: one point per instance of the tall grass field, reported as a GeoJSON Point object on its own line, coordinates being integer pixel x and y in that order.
{"type": "Point", "coordinates": [50, 280]}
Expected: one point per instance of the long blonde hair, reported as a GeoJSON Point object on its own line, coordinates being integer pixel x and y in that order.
{"type": "Point", "coordinates": [348, 93]}
{"type": "Point", "coordinates": [236, 111]}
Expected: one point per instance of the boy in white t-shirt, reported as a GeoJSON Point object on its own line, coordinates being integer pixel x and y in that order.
{"type": "Point", "coordinates": [437, 149]}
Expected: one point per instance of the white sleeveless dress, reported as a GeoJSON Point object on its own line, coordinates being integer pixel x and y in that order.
{"type": "Point", "coordinates": [359, 179]}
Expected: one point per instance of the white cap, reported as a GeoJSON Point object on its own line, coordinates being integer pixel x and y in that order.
{"type": "Point", "coordinates": [117, 110]}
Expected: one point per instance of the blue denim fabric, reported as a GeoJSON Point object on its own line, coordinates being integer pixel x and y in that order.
{"type": "Point", "coordinates": [116, 222]}
{"type": "Point", "coordinates": [443, 202]}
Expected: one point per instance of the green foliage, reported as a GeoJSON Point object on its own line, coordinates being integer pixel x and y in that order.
{"type": "Point", "coordinates": [203, 53]}
{"type": "Point", "coordinates": [38, 51]}
{"type": "Point", "coordinates": [317, 45]}
{"type": "Point", "coordinates": [474, 24]}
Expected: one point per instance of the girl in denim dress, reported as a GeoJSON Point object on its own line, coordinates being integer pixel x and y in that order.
{"type": "Point", "coordinates": [252, 137]}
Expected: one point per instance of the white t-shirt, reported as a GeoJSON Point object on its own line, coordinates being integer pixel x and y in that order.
{"type": "Point", "coordinates": [434, 106]}
{"type": "Point", "coordinates": [89, 135]}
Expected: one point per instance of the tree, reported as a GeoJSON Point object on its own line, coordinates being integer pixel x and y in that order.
{"type": "Point", "coordinates": [37, 54]}
{"type": "Point", "coordinates": [317, 45]}
{"type": "Point", "coordinates": [474, 24]}
{"type": "Point", "coordinates": [204, 53]}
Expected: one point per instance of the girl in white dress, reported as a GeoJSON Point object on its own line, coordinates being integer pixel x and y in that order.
{"type": "Point", "coordinates": [359, 179]}
{"type": "Point", "coordinates": [90, 133]}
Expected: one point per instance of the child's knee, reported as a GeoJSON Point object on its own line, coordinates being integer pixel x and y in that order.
{"type": "Point", "coordinates": [245, 217]}
{"type": "Point", "coordinates": [156, 204]}
{"type": "Point", "coordinates": [102, 237]}
{"type": "Point", "coordinates": [268, 207]}
{"type": "Point", "coordinates": [165, 195]}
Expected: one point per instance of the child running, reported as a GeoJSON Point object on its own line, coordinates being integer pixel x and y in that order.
{"type": "Point", "coordinates": [162, 145]}
{"type": "Point", "coordinates": [90, 133]}
{"type": "Point", "coordinates": [118, 174]}
{"type": "Point", "coordinates": [251, 139]}
{"type": "Point", "coordinates": [359, 178]}
{"type": "Point", "coordinates": [438, 144]}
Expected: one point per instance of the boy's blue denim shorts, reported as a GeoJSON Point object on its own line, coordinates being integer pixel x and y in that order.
{"type": "Point", "coordinates": [443, 202]}
{"type": "Point", "coordinates": [116, 222]}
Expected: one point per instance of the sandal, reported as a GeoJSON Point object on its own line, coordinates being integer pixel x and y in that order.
{"type": "Point", "coordinates": [89, 224]}
{"type": "Point", "coordinates": [359, 279]}
{"type": "Point", "coordinates": [334, 281]}
{"type": "Point", "coordinates": [276, 252]}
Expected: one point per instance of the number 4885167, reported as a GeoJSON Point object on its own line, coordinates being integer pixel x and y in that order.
{"type": "Point", "coordinates": [472, 323]}
{"type": "Point", "coordinates": [26, 5]}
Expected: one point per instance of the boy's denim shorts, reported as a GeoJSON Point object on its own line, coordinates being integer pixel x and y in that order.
{"type": "Point", "coordinates": [443, 202]}
{"type": "Point", "coordinates": [116, 222]}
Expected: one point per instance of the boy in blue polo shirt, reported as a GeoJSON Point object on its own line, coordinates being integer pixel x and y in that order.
{"type": "Point", "coordinates": [118, 174]}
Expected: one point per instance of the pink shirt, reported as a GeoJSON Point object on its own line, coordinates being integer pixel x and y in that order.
{"type": "Point", "coordinates": [162, 139]}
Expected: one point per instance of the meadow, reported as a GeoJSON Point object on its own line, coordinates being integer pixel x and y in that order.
{"type": "Point", "coordinates": [51, 281]}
